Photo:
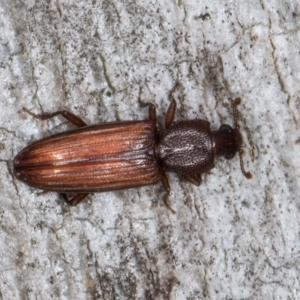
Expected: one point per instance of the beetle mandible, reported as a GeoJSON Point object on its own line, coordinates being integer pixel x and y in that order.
{"type": "Point", "coordinates": [126, 154]}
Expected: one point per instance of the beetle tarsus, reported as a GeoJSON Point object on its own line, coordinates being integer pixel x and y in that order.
{"type": "Point", "coordinates": [166, 185]}
{"type": "Point", "coordinates": [76, 199]}
{"type": "Point", "coordinates": [176, 85]}
{"type": "Point", "coordinates": [167, 203]}
{"type": "Point", "coordinates": [75, 120]}
{"type": "Point", "coordinates": [151, 107]}
{"type": "Point", "coordinates": [193, 178]}
{"type": "Point", "coordinates": [142, 104]}
{"type": "Point", "coordinates": [170, 115]}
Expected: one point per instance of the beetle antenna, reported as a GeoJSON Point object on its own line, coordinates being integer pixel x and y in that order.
{"type": "Point", "coordinates": [235, 112]}
{"type": "Point", "coordinates": [236, 118]}
{"type": "Point", "coordinates": [248, 175]}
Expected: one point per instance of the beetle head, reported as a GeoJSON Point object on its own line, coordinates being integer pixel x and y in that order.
{"type": "Point", "coordinates": [228, 141]}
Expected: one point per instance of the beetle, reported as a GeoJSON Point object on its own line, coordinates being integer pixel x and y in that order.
{"type": "Point", "coordinates": [125, 154]}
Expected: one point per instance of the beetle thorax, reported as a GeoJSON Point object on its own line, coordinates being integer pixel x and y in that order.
{"type": "Point", "coordinates": [186, 147]}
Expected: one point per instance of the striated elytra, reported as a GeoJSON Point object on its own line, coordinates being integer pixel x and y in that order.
{"type": "Point", "coordinates": [127, 154]}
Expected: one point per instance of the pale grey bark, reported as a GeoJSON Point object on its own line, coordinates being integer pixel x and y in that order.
{"type": "Point", "coordinates": [231, 238]}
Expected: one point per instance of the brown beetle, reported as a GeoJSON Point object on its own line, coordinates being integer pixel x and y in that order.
{"type": "Point", "coordinates": [121, 155]}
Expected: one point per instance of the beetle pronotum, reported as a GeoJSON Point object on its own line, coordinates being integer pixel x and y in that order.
{"type": "Point", "coordinates": [125, 154]}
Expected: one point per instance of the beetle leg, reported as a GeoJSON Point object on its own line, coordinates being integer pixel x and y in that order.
{"type": "Point", "coordinates": [76, 199]}
{"type": "Point", "coordinates": [152, 109]}
{"type": "Point", "coordinates": [193, 178]}
{"type": "Point", "coordinates": [170, 115]}
{"type": "Point", "coordinates": [66, 114]}
{"type": "Point", "coordinates": [167, 203]}
{"type": "Point", "coordinates": [152, 113]}
{"type": "Point", "coordinates": [166, 185]}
